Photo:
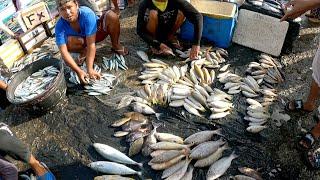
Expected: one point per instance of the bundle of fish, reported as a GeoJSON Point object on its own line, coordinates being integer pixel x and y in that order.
{"type": "Point", "coordinates": [219, 103]}
{"type": "Point", "coordinates": [95, 87]}
{"type": "Point", "coordinates": [48, 48]}
{"type": "Point", "coordinates": [173, 155]}
{"type": "Point", "coordinates": [267, 70]}
{"type": "Point", "coordinates": [116, 157]}
{"type": "Point", "coordinates": [230, 80]}
{"type": "Point", "coordinates": [35, 84]}
{"type": "Point", "coordinates": [115, 62]}
{"type": "Point", "coordinates": [135, 127]}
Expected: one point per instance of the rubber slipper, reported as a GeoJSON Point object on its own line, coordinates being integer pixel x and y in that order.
{"type": "Point", "coordinates": [122, 51]}
{"type": "Point", "coordinates": [306, 142]}
{"type": "Point", "coordinates": [297, 106]}
{"type": "Point", "coordinates": [48, 175]}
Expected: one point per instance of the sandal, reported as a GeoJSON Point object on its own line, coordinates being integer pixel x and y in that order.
{"type": "Point", "coordinates": [306, 142]}
{"type": "Point", "coordinates": [313, 159]}
{"type": "Point", "coordinates": [297, 106]}
{"type": "Point", "coordinates": [124, 51]}
{"type": "Point", "coordinates": [48, 175]}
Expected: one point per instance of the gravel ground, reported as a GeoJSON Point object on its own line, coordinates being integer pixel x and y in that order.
{"type": "Point", "coordinates": [63, 137]}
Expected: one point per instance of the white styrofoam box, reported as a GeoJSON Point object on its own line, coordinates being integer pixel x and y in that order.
{"type": "Point", "coordinates": [35, 41]}
{"type": "Point", "coordinates": [260, 32]}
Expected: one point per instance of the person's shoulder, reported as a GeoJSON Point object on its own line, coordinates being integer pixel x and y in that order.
{"type": "Point", "coordinates": [85, 9]}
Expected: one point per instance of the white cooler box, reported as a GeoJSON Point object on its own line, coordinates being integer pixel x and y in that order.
{"type": "Point", "coordinates": [260, 32]}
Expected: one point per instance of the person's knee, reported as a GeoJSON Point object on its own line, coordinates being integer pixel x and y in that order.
{"type": "Point", "coordinates": [153, 15]}
{"type": "Point", "coordinates": [112, 18]}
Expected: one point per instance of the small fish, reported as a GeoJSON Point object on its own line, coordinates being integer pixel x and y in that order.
{"type": "Point", "coordinates": [243, 177]}
{"type": "Point", "coordinates": [168, 146]}
{"type": "Point", "coordinates": [143, 56]}
{"type": "Point", "coordinates": [120, 133]}
{"type": "Point", "coordinates": [113, 154]}
{"type": "Point", "coordinates": [220, 167]}
{"type": "Point", "coordinates": [112, 177]}
{"type": "Point", "coordinates": [169, 138]}
{"type": "Point", "coordinates": [120, 122]}
{"type": "Point", "coordinates": [250, 172]}
{"type": "Point", "coordinates": [211, 158]}
{"type": "Point", "coordinates": [142, 108]}
{"type": "Point", "coordinates": [202, 136]}
{"type": "Point", "coordinates": [168, 155]}
{"type": "Point", "coordinates": [165, 165]}
{"type": "Point", "coordinates": [205, 149]}
{"type": "Point", "coordinates": [112, 168]}
{"type": "Point", "coordinates": [151, 139]}
{"type": "Point", "coordinates": [169, 171]}
{"type": "Point", "coordinates": [189, 174]}
{"type": "Point", "coordinates": [256, 129]}
{"type": "Point", "coordinates": [136, 146]}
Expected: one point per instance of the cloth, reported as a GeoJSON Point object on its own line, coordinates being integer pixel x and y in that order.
{"type": "Point", "coordinates": [160, 5]}
{"type": "Point", "coordinates": [12, 146]}
{"type": "Point", "coordinates": [8, 171]}
{"type": "Point", "coordinates": [316, 67]}
{"type": "Point", "coordinates": [167, 19]}
{"type": "Point", "coordinates": [88, 26]}
{"type": "Point", "coordinates": [92, 5]}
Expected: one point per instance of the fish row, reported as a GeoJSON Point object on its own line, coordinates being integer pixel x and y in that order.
{"type": "Point", "coordinates": [35, 84]}
{"type": "Point", "coordinates": [258, 88]}
{"type": "Point", "coordinates": [116, 167]}
{"type": "Point", "coordinates": [115, 62]}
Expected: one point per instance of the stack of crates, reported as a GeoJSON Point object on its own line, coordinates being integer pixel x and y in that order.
{"type": "Point", "coordinates": [10, 51]}
{"type": "Point", "coordinates": [33, 38]}
{"type": "Point", "coordinates": [219, 21]}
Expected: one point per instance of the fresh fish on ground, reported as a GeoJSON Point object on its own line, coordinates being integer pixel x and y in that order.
{"type": "Point", "coordinates": [112, 168]}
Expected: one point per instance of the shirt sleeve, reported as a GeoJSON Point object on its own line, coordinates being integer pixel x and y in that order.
{"type": "Point", "coordinates": [141, 26]}
{"type": "Point", "coordinates": [90, 22]}
{"type": "Point", "coordinates": [194, 16]}
{"type": "Point", "coordinates": [60, 34]}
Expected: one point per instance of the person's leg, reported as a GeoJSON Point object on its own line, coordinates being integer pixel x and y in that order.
{"type": "Point", "coordinates": [77, 45]}
{"type": "Point", "coordinates": [112, 27]}
{"type": "Point", "coordinates": [179, 21]}
{"type": "Point", "coordinates": [313, 96]}
{"type": "Point", "coordinates": [153, 22]}
{"type": "Point", "coordinates": [8, 171]}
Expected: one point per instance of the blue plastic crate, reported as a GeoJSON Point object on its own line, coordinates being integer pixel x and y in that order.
{"type": "Point", "coordinates": [216, 30]}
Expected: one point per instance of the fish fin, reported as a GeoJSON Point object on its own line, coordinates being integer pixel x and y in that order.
{"type": "Point", "coordinates": [234, 155]}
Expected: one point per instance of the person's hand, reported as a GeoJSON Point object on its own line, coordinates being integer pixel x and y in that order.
{"type": "Point", "coordinates": [164, 49]}
{"type": "Point", "coordinates": [83, 76]}
{"type": "Point", "coordinates": [298, 7]}
{"type": "Point", "coordinates": [194, 53]}
{"type": "Point", "coordinates": [94, 74]}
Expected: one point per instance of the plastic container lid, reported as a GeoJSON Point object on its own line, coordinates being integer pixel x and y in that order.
{"type": "Point", "coordinates": [216, 9]}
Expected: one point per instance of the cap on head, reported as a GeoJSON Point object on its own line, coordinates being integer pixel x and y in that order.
{"type": "Point", "coordinates": [60, 3]}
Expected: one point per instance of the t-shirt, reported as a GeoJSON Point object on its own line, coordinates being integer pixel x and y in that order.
{"type": "Point", "coordinates": [88, 26]}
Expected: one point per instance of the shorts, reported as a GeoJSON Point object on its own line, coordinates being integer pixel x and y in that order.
{"type": "Point", "coordinates": [316, 67]}
{"type": "Point", "coordinates": [12, 146]}
{"type": "Point", "coordinates": [102, 28]}
{"type": "Point", "coordinates": [165, 20]}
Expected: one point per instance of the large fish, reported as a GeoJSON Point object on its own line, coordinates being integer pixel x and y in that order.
{"type": "Point", "coordinates": [168, 137]}
{"type": "Point", "coordinates": [113, 154]}
{"type": "Point", "coordinates": [205, 149]}
{"type": "Point", "coordinates": [112, 177]}
{"type": "Point", "coordinates": [112, 168]}
{"type": "Point", "coordinates": [202, 136]}
{"type": "Point", "coordinates": [211, 158]}
{"type": "Point", "coordinates": [220, 167]}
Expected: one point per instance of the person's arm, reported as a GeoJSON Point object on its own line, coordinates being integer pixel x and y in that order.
{"type": "Point", "coordinates": [116, 7]}
{"type": "Point", "coordinates": [194, 16]}
{"type": "Point", "coordinates": [299, 7]}
{"type": "Point", "coordinates": [3, 85]}
{"type": "Point", "coordinates": [91, 54]}
{"type": "Point", "coordinates": [141, 26]}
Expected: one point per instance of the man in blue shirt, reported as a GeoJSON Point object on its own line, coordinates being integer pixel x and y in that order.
{"type": "Point", "coordinates": [79, 29]}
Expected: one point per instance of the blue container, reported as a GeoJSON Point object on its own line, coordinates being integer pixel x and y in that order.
{"type": "Point", "coordinates": [215, 29]}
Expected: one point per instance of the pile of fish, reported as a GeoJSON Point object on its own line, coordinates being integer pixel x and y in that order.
{"type": "Point", "coordinates": [173, 155]}
{"type": "Point", "coordinates": [116, 157]}
{"type": "Point", "coordinates": [259, 85]}
{"type": "Point", "coordinates": [135, 127]}
{"type": "Point", "coordinates": [95, 87]}
{"type": "Point", "coordinates": [186, 87]}
{"type": "Point", "coordinates": [35, 84]}
{"type": "Point", "coordinates": [115, 62]}
{"type": "Point", "coordinates": [48, 48]}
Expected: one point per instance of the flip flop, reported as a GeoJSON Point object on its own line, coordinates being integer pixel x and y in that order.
{"type": "Point", "coordinates": [306, 142]}
{"type": "Point", "coordinates": [48, 175]}
{"type": "Point", "coordinates": [122, 51]}
{"type": "Point", "coordinates": [297, 106]}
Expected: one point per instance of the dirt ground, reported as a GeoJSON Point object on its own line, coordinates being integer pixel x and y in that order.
{"type": "Point", "coordinates": [63, 138]}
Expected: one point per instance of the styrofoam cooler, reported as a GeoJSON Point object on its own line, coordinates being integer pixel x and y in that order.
{"type": "Point", "coordinates": [219, 21]}
{"type": "Point", "coordinates": [260, 32]}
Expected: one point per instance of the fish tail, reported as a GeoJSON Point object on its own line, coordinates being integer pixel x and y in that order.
{"type": "Point", "coordinates": [140, 165]}
{"type": "Point", "coordinates": [234, 155]}
{"type": "Point", "coordinates": [219, 132]}
{"type": "Point", "coordinates": [155, 125]}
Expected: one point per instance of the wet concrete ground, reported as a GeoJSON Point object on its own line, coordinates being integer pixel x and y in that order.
{"type": "Point", "coordinates": [63, 137]}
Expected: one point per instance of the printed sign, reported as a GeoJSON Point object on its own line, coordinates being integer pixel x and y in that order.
{"type": "Point", "coordinates": [34, 15]}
